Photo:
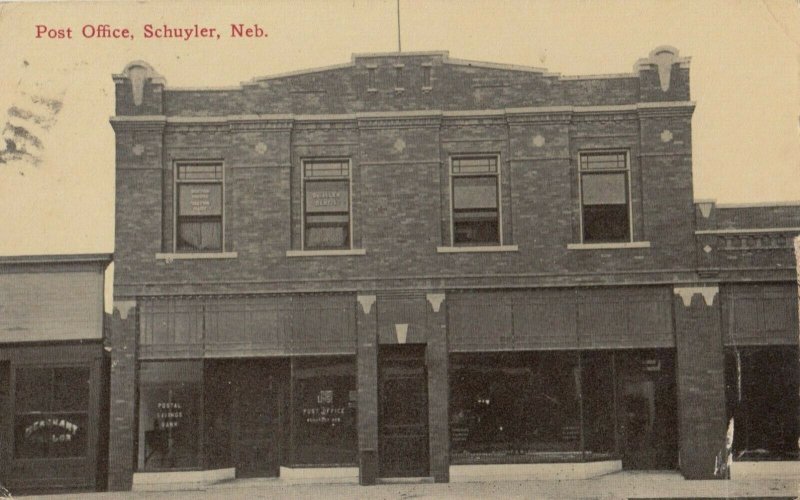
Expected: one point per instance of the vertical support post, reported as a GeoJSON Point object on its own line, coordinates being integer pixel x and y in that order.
{"type": "Point", "coordinates": [581, 418]}
{"type": "Point", "coordinates": [438, 389]}
{"type": "Point", "coordinates": [122, 341]}
{"type": "Point", "coordinates": [700, 377]}
{"type": "Point", "coordinates": [367, 362]}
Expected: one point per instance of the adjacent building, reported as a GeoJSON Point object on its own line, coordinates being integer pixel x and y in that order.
{"type": "Point", "coordinates": [417, 266]}
{"type": "Point", "coordinates": [53, 373]}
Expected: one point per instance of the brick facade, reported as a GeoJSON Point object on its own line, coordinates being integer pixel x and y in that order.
{"type": "Point", "coordinates": [399, 119]}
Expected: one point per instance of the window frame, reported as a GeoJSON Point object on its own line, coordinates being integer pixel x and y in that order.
{"type": "Point", "coordinates": [628, 190]}
{"type": "Point", "coordinates": [308, 161]}
{"type": "Point", "coordinates": [451, 188]}
{"type": "Point", "coordinates": [176, 182]}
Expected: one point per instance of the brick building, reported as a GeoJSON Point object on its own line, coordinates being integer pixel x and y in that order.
{"type": "Point", "coordinates": [413, 265]}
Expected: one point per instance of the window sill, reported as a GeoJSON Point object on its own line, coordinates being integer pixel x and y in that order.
{"type": "Point", "coordinates": [486, 249]}
{"type": "Point", "coordinates": [326, 253]}
{"type": "Point", "coordinates": [169, 257]}
{"type": "Point", "coordinates": [608, 246]}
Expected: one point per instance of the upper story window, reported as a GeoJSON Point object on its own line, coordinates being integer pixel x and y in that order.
{"type": "Point", "coordinates": [198, 207]}
{"type": "Point", "coordinates": [475, 200]}
{"type": "Point", "coordinates": [326, 205]}
{"type": "Point", "coordinates": [605, 197]}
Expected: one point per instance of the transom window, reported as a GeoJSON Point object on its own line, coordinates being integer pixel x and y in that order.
{"type": "Point", "coordinates": [199, 212]}
{"type": "Point", "coordinates": [326, 205]}
{"type": "Point", "coordinates": [475, 195]}
{"type": "Point", "coordinates": [605, 197]}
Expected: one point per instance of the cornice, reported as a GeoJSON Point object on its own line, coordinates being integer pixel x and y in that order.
{"type": "Point", "coordinates": [152, 123]}
{"type": "Point", "coordinates": [405, 119]}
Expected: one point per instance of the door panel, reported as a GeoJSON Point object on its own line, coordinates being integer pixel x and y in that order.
{"type": "Point", "coordinates": [256, 445]}
{"type": "Point", "coordinates": [244, 418]}
{"type": "Point", "coordinates": [647, 410]}
{"type": "Point", "coordinates": [403, 417]}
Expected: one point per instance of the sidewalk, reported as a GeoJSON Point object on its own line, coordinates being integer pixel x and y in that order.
{"type": "Point", "coordinates": [664, 485]}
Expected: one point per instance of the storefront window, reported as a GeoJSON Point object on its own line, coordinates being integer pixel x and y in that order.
{"type": "Point", "coordinates": [170, 405]}
{"type": "Point", "coordinates": [762, 394]}
{"type": "Point", "coordinates": [324, 411]}
{"type": "Point", "coordinates": [514, 406]}
{"type": "Point", "coordinates": [51, 412]}
{"type": "Point", "coordinates": [564, 406]}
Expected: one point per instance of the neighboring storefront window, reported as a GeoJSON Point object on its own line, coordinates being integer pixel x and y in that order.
{"type": "Point", "coordinates": [762, 397]}
{"type": "Point", "coordinates": [324, 411]}
{"type": "Point", "coordinates": [51, 412]}
{"type": "Point", "coordinates": [514, 405]}
{"type": "Point", "coordinates": [170, 405]}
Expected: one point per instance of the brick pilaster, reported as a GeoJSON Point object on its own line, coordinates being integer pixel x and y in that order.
{"type": "Point", "coordinates": [367, 352]}
{"type": "Point", "coordinates": [701, 384]}
{"type": "Point", "coordinates": [438, 389]}
{"type": "Point", "coordinates": [122, 341]}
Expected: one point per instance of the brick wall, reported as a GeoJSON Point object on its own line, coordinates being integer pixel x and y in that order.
{"type": "Point", "coordinates": [400, 175]}
{"type": "Point", "coordinates": [401, 204]}
{"type": "Point", "coordinates": [701, 383]}
{"type": "Point", "coordinates": [121, 339]}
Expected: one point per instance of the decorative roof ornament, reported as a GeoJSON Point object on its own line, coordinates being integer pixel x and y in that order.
{"type": "Point", "coordinates": [138, 72]}
{"type": "Point", "coordinates": [662, 58]}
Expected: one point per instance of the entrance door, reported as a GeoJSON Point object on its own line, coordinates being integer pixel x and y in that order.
{"type": "Point", "coordinates": [647, 410]}
{"type": "Point", "coordinates": [256, 421]}
{"type": "Point", "coordinates": [403, 411]}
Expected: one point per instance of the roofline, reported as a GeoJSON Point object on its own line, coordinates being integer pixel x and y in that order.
{"type": "Point", "coordinates": [491, 65]}
{"type": "Point", "coordinates": [445, 55]}
{"type": "Point", "coordinates": [766, 204]}
{"type": "Point", "coordinates": [78, 258]}
{"type": "Point", "coordinates": [299, 72]}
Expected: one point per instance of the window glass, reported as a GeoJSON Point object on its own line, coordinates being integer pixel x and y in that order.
{"type": "Point", "coordinates": [50, 435]}
{"type": "Point", "coordinates": [326, 205]}
{"type": "Point", "coordinates": [605, 223]}
{"type": "Point", "coordinates": [33, 389]}
{"type": "Point", "coordinates": [601, 161]}
{"type": "Point", "coordinates": [475, 201]}
{"type": "Point", "coordinates": [475, 192]}
{"type": "Point", "coordinates": [199, 208]}
{"type": "Point", "coordinates": [51, 412]}
{"type": "Point", "coordinates": [513, 406]}
{"type": "Point", "coordinates": [200, 235]}
{"type": "Point", "coordinates": [604, 189]}
{"type": "Point", "coordinates": [170, 404]}
{"type": "Point", "coordinates": [70, 389]}
{"type": "Point", "coordinates": [324, 411]}
{"type": "Point", "coordinates": [762, 385]}
{"type": "Point", "coordinates": [605, 214]}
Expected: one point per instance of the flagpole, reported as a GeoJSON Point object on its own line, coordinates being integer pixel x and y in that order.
{"type": "Point", "coordinates": [399, 47]}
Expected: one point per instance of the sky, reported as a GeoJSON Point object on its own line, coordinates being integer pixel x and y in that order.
{"type": "Point", "coordinates": [58, 197]}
